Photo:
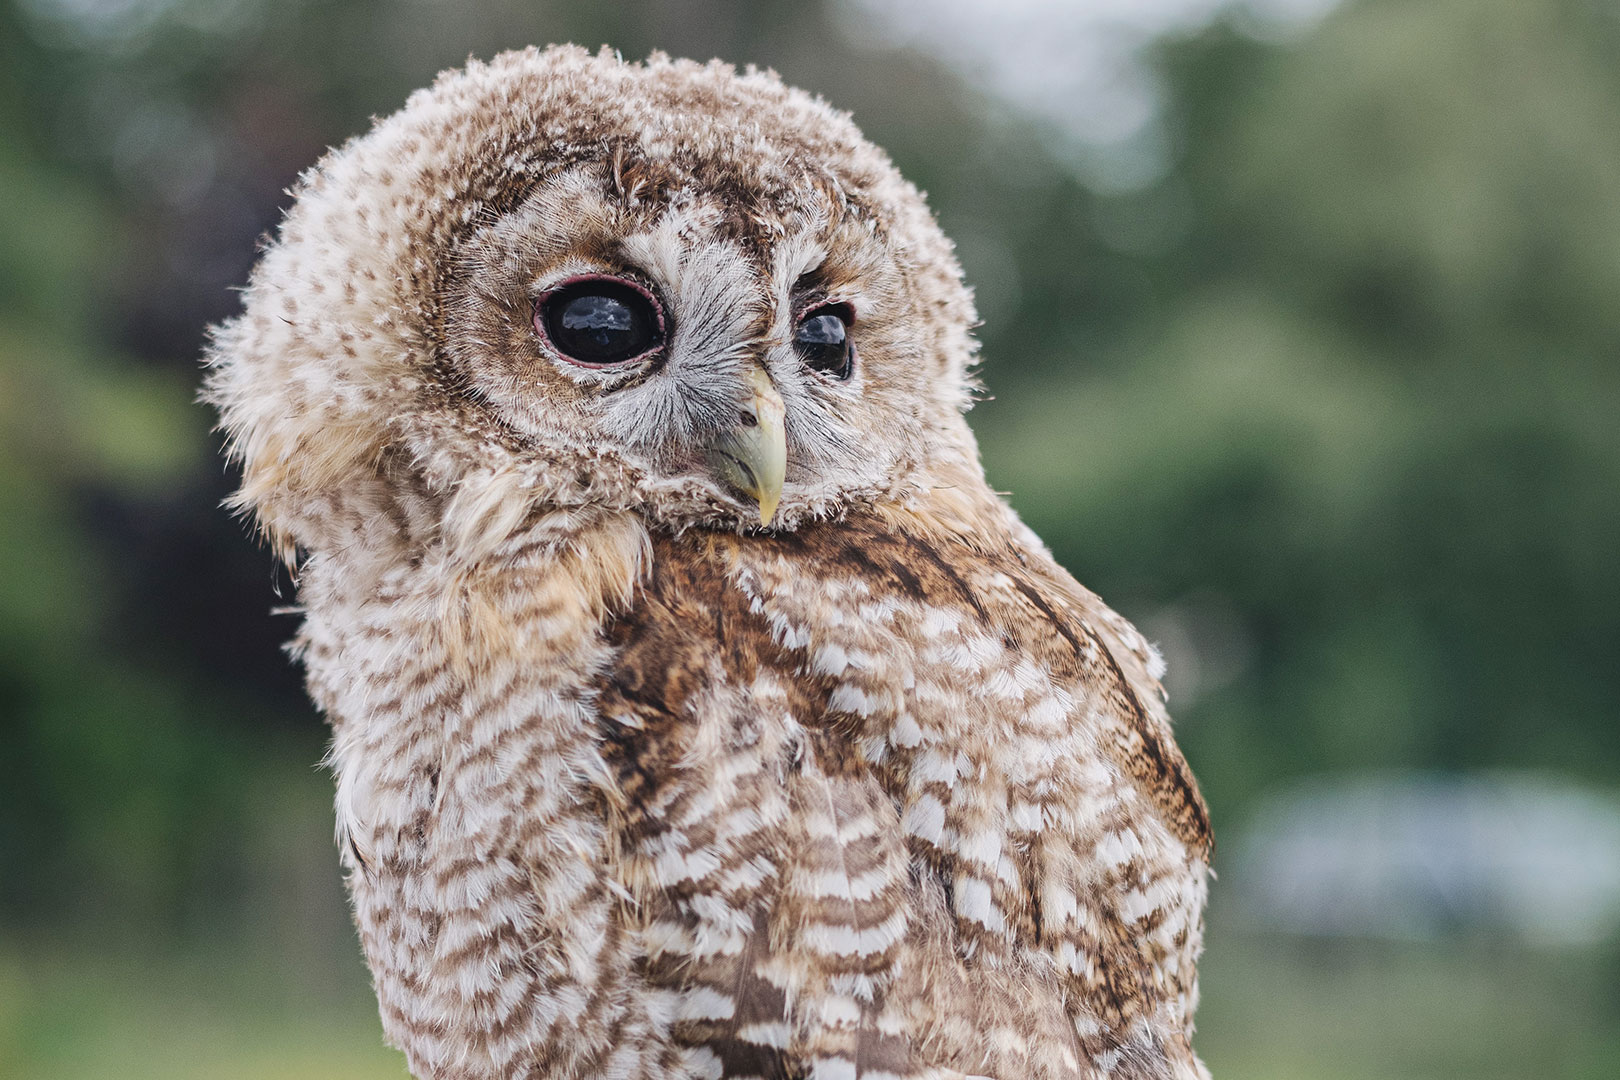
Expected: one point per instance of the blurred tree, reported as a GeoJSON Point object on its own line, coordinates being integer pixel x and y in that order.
{"type": "Point", "coordinates": [1364, 466]}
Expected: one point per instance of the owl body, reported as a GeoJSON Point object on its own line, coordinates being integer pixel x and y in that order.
{"type": "Point", "coordinates": [651, 762]}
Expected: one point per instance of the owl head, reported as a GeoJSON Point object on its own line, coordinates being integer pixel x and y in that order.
{"type": "Point", "coordinates": [562, 281]}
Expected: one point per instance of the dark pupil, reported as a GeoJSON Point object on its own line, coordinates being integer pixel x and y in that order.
{"type": "Point", "coordinates": [598, 322]}
{"type": "Point", "coordinates": [822, 342]}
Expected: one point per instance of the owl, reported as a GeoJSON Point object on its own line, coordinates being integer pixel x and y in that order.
{"type": "Point", "coordinates": [697, 708]}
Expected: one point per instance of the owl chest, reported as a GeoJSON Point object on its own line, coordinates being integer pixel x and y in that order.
{"type": "Point", "coordinates": [787, 808]}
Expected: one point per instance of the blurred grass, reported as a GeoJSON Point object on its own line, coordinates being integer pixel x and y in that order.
{"type": "Point", "coordinates": [1278, 1008]}
{"type": "Point", "coordinates": [66, 1015]}
{"type": "Point", "coordinates": [1274, 1009]}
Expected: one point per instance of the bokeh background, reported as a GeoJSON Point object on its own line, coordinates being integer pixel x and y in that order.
{"type": "Point", "coordinates": [1301, 324]}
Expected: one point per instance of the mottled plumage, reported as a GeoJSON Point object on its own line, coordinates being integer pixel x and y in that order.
{"type": "Point", "coordinates": [629, 783]}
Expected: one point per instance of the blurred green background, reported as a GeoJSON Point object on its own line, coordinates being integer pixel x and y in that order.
{"type": "Point", "coordinates": [1301, 329]}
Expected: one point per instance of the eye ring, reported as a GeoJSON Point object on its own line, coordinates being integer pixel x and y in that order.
{"type": "Point", "coordinates": [822, 340]}
{"type": "Point", "coordinates": [600, 321]}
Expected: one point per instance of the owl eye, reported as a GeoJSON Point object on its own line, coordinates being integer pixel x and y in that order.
{"type": "Point", "coordinates": [823, 340]}
{"type": "Point", "coordinates": [600, 321]}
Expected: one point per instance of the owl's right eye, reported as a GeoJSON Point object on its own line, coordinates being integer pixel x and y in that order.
{"type": "Point", "coordinates": [823, 340]}
{"type": "Point", "coordinates": [600, 321]}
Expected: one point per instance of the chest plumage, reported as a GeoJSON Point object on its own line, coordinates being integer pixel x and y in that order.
{"type": "Point", "coordinates": [853, 802]}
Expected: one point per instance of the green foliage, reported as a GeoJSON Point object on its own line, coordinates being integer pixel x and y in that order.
{"type": "Point", "coordinates": [1373, 419]}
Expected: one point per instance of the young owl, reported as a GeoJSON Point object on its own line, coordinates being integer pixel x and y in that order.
{"type": "Point", "coordinates": [698, 710]}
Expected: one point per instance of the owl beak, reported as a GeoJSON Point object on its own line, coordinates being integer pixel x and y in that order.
{"type": "Point", "coordinates": [752, 456]}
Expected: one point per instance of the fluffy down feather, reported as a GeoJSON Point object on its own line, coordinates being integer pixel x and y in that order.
{"type": "Point", "coordinates": [628, 786]}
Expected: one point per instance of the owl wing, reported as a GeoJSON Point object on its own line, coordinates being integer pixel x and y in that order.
{"type": "Point", "coordinates": [893, 808]}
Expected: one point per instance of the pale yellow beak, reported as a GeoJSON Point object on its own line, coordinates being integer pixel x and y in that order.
{"type": "Point", "coordinates": [752, 456]}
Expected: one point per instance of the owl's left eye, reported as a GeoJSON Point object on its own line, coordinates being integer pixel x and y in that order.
{"type": "Point", "coordinates": [822, 340]}
{"type": "Point", "coordinates": [600, 321]}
